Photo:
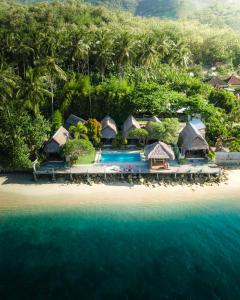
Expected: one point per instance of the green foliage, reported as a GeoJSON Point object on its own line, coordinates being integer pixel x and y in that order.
{"type": "Point", "coordinates": [94, 131]}
{"type": "Point", "coordinates": [211, 155]}
{"type": "Point", "coordinates": [77, 148]}
{"type": "Point", "coordinates": [119, 141]}
{"type": "Point", "coordinates": [69, 57]}
{"type": "Point", "coordinates": [140, 133]}
{"type": "Point", "coordinates": [21, 138]}
{"type": "Point", "coordinates": [79, 131]}
{"type": "Point", "coordinates": [57, 120]}
{"type": "Point", "coordinates": [166, 131]}
{"type": "Point", "coordinates": [223, 99]}
{"type": "Point", "coordinates": [234, 146]}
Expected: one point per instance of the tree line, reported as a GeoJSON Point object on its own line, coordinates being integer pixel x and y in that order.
{"type": "Point", "coordinates": [62, 58]}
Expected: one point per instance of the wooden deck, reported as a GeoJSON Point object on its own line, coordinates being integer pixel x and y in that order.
{"type": "Point", "coordinates": [141, 168]}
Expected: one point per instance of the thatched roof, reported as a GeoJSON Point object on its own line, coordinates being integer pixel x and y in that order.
{"type": "Point", "coordinates": [198, 123]}
{"type": "Point", "coordinates": [215, 81]}
{"type": "Point", "coordinates": [72, 120]}
{"type": "Point", "coordinates": [154, 119]}
{"type": "Point", "coordinates": [191, 139]}
{"type": "Point", "coordinates": [59, 138]}
{"type": "Point", "coordinates": [109, 128]}
{"type": "Point", "coordinates": [159, 150]}
{"type": "Point", "coordinates": [233, 80]}
{"type": "Point", "coordinates": [130, 124]}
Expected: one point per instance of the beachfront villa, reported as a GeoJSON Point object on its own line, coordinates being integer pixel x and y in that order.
{"type": "Point", "coordinates": [54, 144]}
{"type": "Point", "coordinates": [192, 142]}
{"type": "Point", "coordinates": [109, 130]}
{"type": "Point", "coordinates": [73, 120]}
{"type": "Point", "coordinates": [199, 125]}
{"type": "Point", "coordinates": [158, 155]}
{"type": "Point", "coordinates": [130, 124]}
{"type": "Point", "coordinates": [155, 156]}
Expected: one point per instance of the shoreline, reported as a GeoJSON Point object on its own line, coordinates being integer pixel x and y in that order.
{"type": "Point", "coordinates": [21, 191]}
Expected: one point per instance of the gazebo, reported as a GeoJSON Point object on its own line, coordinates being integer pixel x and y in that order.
{"type": "Point", "coordinates": [158, 155]}
{"type": "Point", "coordinates": [109, 129]}
{"type": "Point", "coordinates": [130, 124]}
{"type": "Point", "coordinates": [192, 143]}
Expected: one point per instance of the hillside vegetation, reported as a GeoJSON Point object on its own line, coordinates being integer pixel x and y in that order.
{"type": "Point", "coordinates": [63, 58]}
{"type": "Point", "coordinates": [216, 12]}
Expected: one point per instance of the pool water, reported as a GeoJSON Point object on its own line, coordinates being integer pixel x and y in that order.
{"type": "Point", "coordinates": [121, 157]}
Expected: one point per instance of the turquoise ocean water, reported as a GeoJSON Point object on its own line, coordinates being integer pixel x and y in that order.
{"type": "Point", "coordinates": [153, 251]}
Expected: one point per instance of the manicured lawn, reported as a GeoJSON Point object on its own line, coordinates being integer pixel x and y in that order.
{"type": "Point", "coordinates": [86, 159]}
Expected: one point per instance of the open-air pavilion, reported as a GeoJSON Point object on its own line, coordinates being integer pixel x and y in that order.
{"type": "Point", "coordinates": [158, 155]}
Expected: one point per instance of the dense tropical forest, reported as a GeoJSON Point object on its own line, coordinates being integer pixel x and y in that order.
{"type": "Point", "coordinates": [62, 58]}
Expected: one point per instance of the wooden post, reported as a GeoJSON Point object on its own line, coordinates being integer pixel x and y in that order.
{"type": "Point", "coordinates": [105, 175]}
{"type": "Point", "coordinates": [53, 175]}
{"type": "Point", "coordinates": [87, 175]}
{"type": "Point", "coordinates": [71, 177]}
{"type": "Point", "coordinates": [175, 176]}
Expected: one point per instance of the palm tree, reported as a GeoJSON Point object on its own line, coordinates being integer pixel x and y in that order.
{"type": "Point", "coordinates": [79, 131]}
{"type": "Point", "coordinates": [9, 86]}
{"type": "Point", "coordinates": [102, 50]}
{"type": "Point", "coordinates": [54, 72]}
{"type": "Point", "coordinates": [147, 53]}
{"type": "Point", "coordinates": [35, 89]}
{"type": "Point", "coordinates": [180, 55]}
{"type": "Point", "coordinates": [124, 51]}
{"type": "Point", "coordinates": [80, 54]}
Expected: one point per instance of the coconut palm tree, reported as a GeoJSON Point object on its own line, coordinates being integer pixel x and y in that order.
{"type": "Point", "coordinates": [35, 88]}
{"type": "Point", "coordinates": [53, 72]}
{"type": "Point", "coordinates": [79, 131]}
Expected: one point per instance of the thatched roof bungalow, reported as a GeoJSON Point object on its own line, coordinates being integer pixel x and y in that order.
{"type": "Point", "coordinates": [158, 154]}
{"type": "Point", "coordinates": [55, 143]}
{"type": "Point", "coordinates": [72, 120]}
{"type": "Point", "coordinates": [130, 124]}
{"type": "Point", "coordinates": [109, 128]}
{"type": "Point", "coordinates": [192, 143]}
{"type": "Point", "coordinates": [201, 127]}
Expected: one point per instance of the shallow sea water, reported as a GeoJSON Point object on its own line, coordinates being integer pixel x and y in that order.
{"type": "Point", "coordinates": [153, 251]}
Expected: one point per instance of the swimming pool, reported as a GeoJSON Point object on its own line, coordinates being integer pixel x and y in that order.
{"type": "Point", "coordinates": [120, 157]}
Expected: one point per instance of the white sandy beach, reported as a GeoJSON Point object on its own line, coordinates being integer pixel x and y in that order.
{"type": "Point", "coordinates": [21, 191]}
